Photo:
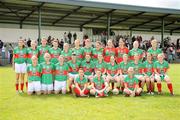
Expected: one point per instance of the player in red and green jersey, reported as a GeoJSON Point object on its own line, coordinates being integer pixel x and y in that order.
{"type": "Point", "coordinates": [96, 51]}
{"type": "Point", "coordinates": [131, 84]}
{"type": "Point", "coordinates": [123, 68]}
{"type": "Point", "coordinates": [120, 51]}
{"type": "Point", "coordinates": [154, 50]}
{"type": "Point", "coordinates": [74, 65]}
{"type": "Point", "coordinates": [100, 65]}
{"type": "Point", "coordinates": [160, 68]}
{"type": "Point", "coordinates": [67, 53]}
{"type": "Point", "coordinates": [138, 69]}
{"type": "Point", "coordinates": [112, 71]}
{"type": "Point", "coordinates": [99, 86]}
{"type": "Point", "coordinates": [109, 51]}
{"type": "Point", "coordinates": [47, 75]}
{"type": "Point", "coordinates": [32, 51]}
{"type": "Point", "coordinates": [80, 87]}
{"type": "Point", "coordinates": [34, 71]}
{"type": "Point", "coordinates": [55, 52]}
{"type": "Point", "coordinates": [42, 49]}
{"type": "Point", "coordinates": [136, 50]}
{"type": "Point", "coordinates": [88, 67]}
{"type": "Point", "coordinates": [19, 64]}
{"type": "Point", "coordinates": [78, 50]}
{"type": "Point", "coordinates": [149, 74]}
{"type": "Point", "coordinates": [61, 76]}
{"type": "Point", "coordinates": [87, 49]}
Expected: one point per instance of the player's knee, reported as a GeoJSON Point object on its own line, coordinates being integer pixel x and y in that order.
{"type": "Point", "coordinates": [92, 92]}
{"type": "Point", "coordinates": [115, 91]}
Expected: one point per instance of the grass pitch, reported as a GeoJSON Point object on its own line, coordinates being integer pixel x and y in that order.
{"type": "Point", "coordinates": [54, 107]}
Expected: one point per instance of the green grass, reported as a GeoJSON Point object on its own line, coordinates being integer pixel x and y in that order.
{"type": "Point", "coordinates": [51, 107]}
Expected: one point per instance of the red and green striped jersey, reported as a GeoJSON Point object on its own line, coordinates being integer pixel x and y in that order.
{"type": "Point", "coordinates": [67, 55]}
{"type": "Point", "coordinates": [61, 72]}
{"type": "Point", "coordinates": [112, 69]}
{"type": "Point", "coordinates": [47, 73]}
{"type": "Point", "coordinates": [30, 53]}
{"type": "Point", "coordinates": [20, 55]}
{"type": "Point", "coordinates": [138, 68]}
{"type": "Point", "coordinates": [55, 53]}
{"type": "Point", "coordinates": [120, 52]}
{"type": "Point", "coordinates": [79, 53]}
{"type": "Point", "coordinates": [88, 67]}
{"type": "Point", "coordinates": [148, 68]}
{"type": "Point", "coordinates": [154, 53]}
{"type": "Point", "coordinates": [124, 67]}
{"type": "Point", "coordinates": [42, 50]}
{"type": "Point", "coordinates": [135, 51]}
{"type": "Point", "coordinates": [34, 73]}
{"type": "Point", "coordinates": [74, 67]}
{"type": "Point", "coordinates": [80, 82]}
{"type": "Point", "coordinates": [99, 83]}
{"type": "Point", "coordinates": [87, 51]}
{"type": "Point", "coordinates": [108, 52]}
{"type": "Point", "coordinates": [131, 82]}
{"type": "Point", "coordinates": [161, 68]}
{"type": "Point", "coordinates": [100, 66]}
{"type": "Point", "coordinates": [96, 52]}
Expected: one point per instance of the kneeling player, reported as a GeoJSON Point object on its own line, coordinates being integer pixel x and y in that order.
{"type": "Point", "coordinates": [61, 76]}
{"type": "Point", "coordinates": [160, 68]}
{"type": "Point", "coordinates": [81, 85]}
{"type": "Point", "coordinates": [47, 74]}
{"type": "Point", "coordinates": [34, 77]}
{"type": "Point", "coordinates": [99, 86]}
{"type": "Point", "coordinates": [112, 74]}
{"type": "Point", "coordinates": [131, 84]}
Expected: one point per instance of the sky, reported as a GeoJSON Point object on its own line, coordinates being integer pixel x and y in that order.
{"type": "Point", "coordinates": [171, 4]}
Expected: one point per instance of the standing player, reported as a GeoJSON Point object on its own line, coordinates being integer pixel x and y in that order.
{"type": "Point", "coordinates": [67, 53]}
{"type": "Point", "coordinates": [87, 49]}
{"type": "Point", "coordinates": [99, 86]}
{"type": "Point", "coordinates": [112, 74]}
{"type": "Point", "coordinates": [121, 50]}
{"type": "Point", "coordinates": [55, 52]}
{"type": "Point", "coordinates": [88, 67]}
{"type": "Point", "coordinates": [42, 49]}
{"type": "Point", "coordinates": [74, 65]}
{"type": "Point", "coordinates": [109, 51]}
{"type": "Point", "coordinates": [61, 76]}
{"type": "Point", "coordinates": [154, 50]}
{"type": "Point", "coordinates": [131, 84]}
{"type": "Point", "coordinates": [80, 87]}
{"type": "Point", "coordinates": [160, 68]}
{"type": "Point", "coordinates": [138, 69]}
{"type": "Point", "coordinates": [78, 50]}
{"type": "Point", "coordinates": [96, 51]}
{"type": "Point", "coordinates": [30, 52]}
{"type": "Point", "coordinates": [47, 75]}
{"type": "Point", "coordinates": [34, 76]}
{"type": "Point", "coordinates": [123, 70]}
{"type": "Point", "coordinates": [136, 50]}
{"type": "Point", "coordinates": [149, 74]}
{"type": "Point", "coordinates": [19, 64]}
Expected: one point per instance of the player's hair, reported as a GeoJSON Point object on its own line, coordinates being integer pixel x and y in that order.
{"type": "Point", "coordinates": [34, 41]}
{"type": "Point", "coordinates": [22, 41]}
{"type": "Point", "coordinates": [99, 42]}
{"type": "Point", "coordinates": [34, 56]}
{"type": "Point", "coordinates": [47, 54]}
{"type": "Point", "coordinates": [80, 68]}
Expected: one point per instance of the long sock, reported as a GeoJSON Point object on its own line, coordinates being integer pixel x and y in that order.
{"type": "Point", "coordinates": [122, 89]}
{"type": "Point", "coordinates": [22, 86]}
{"type": "Point", "coordinates": [152, 87]}
{"type": "Point", "coordinates": [26, 85]}
{"type": "Point", "coordinates": [17, 86]}
{"type": "Point", "coordinates": [112, 85]}
{"type": "Point", "coordinates": [159, 87]}
{"type": "Point", "coordinates": [70, 89]}
{"type": "Point", "coordinates": [139, 83]}
{"type": "Point", "coordinates": [170, 87]}
{"type": "Point", "coordinates": [149, 89]}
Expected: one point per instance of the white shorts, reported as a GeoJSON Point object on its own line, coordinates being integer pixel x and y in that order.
{"type": "Point", "coordinates": [138, 76]}
{"type": "Point", "coordinates": [46, 87]}
{"type": "Point", "coordinates": [157, 76]}
{"type": "Point", "coordinates": [73, 75]}
{"type": "Point", "coordinates": [34, 86]}
{"type": "Point", "coordinates": [20, 68]}
{"type": "Point", "coordinates": [59, 85]}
